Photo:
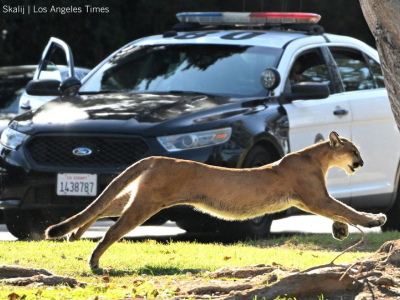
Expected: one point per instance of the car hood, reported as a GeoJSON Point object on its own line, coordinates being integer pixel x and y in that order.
{"type": "Point", "coordinates": [127, 113]}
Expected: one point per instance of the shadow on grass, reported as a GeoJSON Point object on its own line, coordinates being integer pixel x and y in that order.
{"type": "Point", "coordinates": [147, 270]}
{"type": "Point", "coordinates": [304, 241]}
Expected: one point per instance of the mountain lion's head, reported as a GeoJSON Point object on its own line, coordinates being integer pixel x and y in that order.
{"type": "Point", "coordinates": [346, 155]}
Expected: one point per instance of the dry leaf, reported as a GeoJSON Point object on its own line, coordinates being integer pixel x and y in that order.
{"type": "Point", "coordinates": [227, 257]}
{"type": "Point", "coordinates": [13, 296]}
{"type": "Point", "coordinates": [106, 276]}
{"type": "Point", "coordinates": [138, 281]}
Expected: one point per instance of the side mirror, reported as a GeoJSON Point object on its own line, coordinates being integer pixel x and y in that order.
{"type": "Point", "coordinates": [43, 87]}
{"type": "Point", "coordinates": [70, 86]}
{"type": "Point", "coordinates": [307, 91]}
{"type": "Point", "coordinates": [53, 87]}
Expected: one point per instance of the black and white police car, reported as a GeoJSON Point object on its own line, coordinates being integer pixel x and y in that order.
{"type": "Point", "coordinates": [228, 89]}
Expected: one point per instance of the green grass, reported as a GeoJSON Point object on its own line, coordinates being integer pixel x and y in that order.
{"type": "Point", "coordinates": [127, 261]}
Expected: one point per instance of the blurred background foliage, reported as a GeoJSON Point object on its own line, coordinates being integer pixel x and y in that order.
{"type": "Point", "coordinates": [93, 36]}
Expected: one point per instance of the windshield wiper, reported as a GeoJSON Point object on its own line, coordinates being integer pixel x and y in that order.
{"type": "Point", "coordinates": [192, 93]}
{"type": "Point", "coordinates": [179, 92]}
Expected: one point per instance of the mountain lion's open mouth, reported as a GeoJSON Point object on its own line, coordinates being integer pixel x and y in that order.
{"type": "Point", "coordinates": [351, 168]}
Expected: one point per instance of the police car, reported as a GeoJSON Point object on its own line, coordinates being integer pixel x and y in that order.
{"type": "Point", "coordinates": [228, 89]}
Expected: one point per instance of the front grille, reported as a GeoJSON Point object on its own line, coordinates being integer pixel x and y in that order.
{"type": "Point", "coordinates": [107, 151]}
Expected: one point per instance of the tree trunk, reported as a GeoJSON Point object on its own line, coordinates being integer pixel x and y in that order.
{"type": "Point", "coordinates": [383, 19]}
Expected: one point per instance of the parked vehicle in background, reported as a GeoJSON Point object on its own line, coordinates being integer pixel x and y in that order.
{"type": "Point", "coordinates": [13, 98]}
{"type": "Point", "coordinates": [236, 90]}
{"type": "Point", "coordinates": [13, 80]}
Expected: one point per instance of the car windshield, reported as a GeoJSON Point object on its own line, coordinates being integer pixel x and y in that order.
{"type": "Point", "coordinates": [226, 70]}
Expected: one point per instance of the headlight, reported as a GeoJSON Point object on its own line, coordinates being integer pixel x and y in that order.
{"type": "Point", "coordinates": [195, 140]}
{"type": "Point", "coordinates": [12, 139]}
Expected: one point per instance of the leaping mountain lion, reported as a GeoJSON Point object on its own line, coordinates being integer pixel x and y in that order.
{"type": "Point", "coordinates": [155, 183]}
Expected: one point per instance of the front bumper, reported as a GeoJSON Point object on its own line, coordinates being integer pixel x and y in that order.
{"type": "Point", "coordinates": [25, 188]}
{"type": "Point", "coordinates": [38, 190]}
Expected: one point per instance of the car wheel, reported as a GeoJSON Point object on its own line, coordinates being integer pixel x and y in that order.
{"type": "Point", "coordinates": [393, 217]}
{"type": "Point", "coordinates": [28, 224]}
{"type": "Point", "coordinates": [204, 223]}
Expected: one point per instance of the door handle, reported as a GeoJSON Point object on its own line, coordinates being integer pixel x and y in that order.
{"type": "Point", "coordinates": [340, 112]}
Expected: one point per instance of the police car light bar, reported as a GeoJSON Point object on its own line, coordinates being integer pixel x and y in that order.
{"type": "Point", "coordinates": [237, 18]}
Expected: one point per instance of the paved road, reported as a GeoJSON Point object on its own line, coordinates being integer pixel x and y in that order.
{"type": "Point", "coordinates": [297, 224]}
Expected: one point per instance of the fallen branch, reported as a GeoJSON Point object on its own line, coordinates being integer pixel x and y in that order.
{"type": "Point", "coordinates": [17, 275]}
{"type": "Point", "coordinates": [302, 285]}
{"type": "Point", "coordinates": [217, 288]}
{"type": "Point", "coordinates": [10, 271]}
{"type": "Point", "coordinates": [43, 279]}
{"type": "Point", "coordinates": [243, 272]}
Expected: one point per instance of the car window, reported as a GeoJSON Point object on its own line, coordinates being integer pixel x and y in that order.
{"type": "Point", "coordinates": [309, 67]}
{"type": "Point", "coordinates": [376, 73]}
{"type": "Point", "coordinates": [216, 69]}
{"type": "Point", "coordinates": [54, 64]}
{"type": "Point", "coordinates": [353, 69]}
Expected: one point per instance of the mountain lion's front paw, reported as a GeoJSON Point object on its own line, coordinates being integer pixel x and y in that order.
{"type": "Point", "coordinates": [340, 230]}
{"type": "Point", "coordinates": [376, 220]}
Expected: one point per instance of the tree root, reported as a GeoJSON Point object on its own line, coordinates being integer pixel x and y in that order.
{"type": "Point", "coordinates": [375, 277]}
{"type": "Point", "coordinates": [10, 271]}
{"type": "Point", "coordinates": [17, 275]}
{"type": "Point", "coordinates": [43, 279]}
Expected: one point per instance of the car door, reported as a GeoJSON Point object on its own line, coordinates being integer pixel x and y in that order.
{"type": "Point", "coordinates": [311, 121]}
{"type": "Point", "coordinates": [56, 64]}
{"type": "Point", "coordinates": [373, 128]}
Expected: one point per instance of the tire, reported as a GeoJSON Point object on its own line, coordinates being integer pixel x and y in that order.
{"type": "Point", "coordinates": [393, 217]}
{"type": "Point", "coordinates": [256, 228]}
{"type": "Point", "coordinates": [203, 223]}
{"type": "Point", "coordinates": [28, 224]}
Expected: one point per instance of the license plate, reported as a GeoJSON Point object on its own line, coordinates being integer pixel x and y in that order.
{"type": "Point", "coordinates": [74, 184]}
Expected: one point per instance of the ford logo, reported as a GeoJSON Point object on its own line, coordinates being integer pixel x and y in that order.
{"type": "Point", "coordinates": [82, 151]}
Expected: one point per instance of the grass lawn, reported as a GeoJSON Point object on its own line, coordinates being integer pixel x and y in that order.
{"type": "Point", "coordinates": [136, 268]}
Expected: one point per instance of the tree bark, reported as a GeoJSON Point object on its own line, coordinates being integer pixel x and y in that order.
{"type": "Point", "coordinates": [383, 19]}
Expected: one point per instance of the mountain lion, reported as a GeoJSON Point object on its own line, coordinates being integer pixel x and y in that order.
{"type": "Point", "coordinates": [155, 183]}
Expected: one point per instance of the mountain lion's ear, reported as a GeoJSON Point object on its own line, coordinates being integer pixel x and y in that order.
{"type": "Point", "coordinates": [335, 140]}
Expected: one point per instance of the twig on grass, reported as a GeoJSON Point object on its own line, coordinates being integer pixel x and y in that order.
{"type": "Point", "coordinates": [348, 249]}
{"type": "Point", "coordinates": [332, 263]}
{"type": "Point", "coordinates": [351, 247]}
{"type": "Point", "coordinates": [324, 266]}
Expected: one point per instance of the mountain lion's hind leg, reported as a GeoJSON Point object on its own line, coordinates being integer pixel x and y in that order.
{"type": "Point", "coordinates": [77, 234]}
{"type": "Point", "coordinates": [136, 214]}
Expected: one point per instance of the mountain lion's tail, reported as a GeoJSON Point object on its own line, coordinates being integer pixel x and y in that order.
{"type": "Point", "coordinates": [100, 204]}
